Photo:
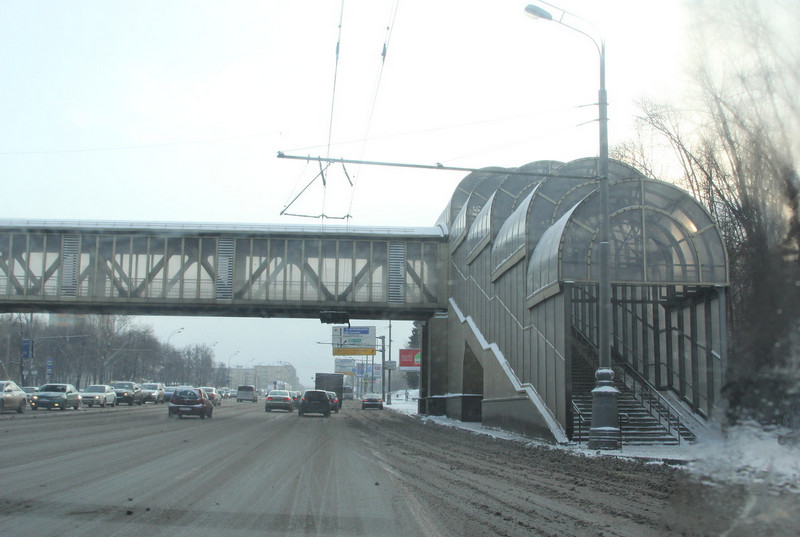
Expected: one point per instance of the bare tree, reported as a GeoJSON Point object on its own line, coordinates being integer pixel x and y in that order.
{"type": "Point", "coordinates": [738, 151]}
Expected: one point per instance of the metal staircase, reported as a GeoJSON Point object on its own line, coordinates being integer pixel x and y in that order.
{"type": "Point", "coordinates": [645, 418]}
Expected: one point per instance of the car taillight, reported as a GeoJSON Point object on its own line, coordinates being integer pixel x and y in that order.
{"type": "Point", "coordinates": [269, 398]}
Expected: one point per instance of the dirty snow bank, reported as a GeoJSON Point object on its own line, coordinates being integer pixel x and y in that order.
{"type": "Point", "coordinates": [747, 454]}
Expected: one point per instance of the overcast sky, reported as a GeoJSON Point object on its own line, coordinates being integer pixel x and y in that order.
{"type": "Point", "coordinates": [175, 111]}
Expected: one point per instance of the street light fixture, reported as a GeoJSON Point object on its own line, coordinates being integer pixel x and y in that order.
{"type": "Point", "coordinates": [178, 331]}
{"type": "Point", "coordinates": [604, 432]}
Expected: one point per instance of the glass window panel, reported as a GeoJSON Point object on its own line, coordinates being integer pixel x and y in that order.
{"type": "Point", "coordinates": [413, 272]}
{"type": "Point", "coordinates": [257, 269]}
{"type": "Point", "coordinates": [191, 268]}
{"type": "Point", "coordinates": [278, 271]}
{"type": "Point", "coordinates": [363, 279]}
{"type": "Point", "coordinates": [310, 267]}
{"type": "Point", "coordinates": [380, 272]}
{"type": "Point", "coordinates": [430, 274]}
{"type": "Point", "coordinates": [344, 285]}
{"type": "Point", "coordinates": [511, 237]}
{"type": "Point", "coordinates": [208, 254]}
{"type": "Point", "coordinates": [480, 227]}
{"type": "Point", "coordinates": [711, 253]}
{"type": "Point", "coordinates": [294, 269]}
{"type": "Point", "coordinates": [627, 249]}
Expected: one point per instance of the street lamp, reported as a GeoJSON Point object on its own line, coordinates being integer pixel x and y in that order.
{"type": "Point", "coordinates": [229, 366]}
{"type": "Point", "coordinates": [178, 331]}
{"type": "Point", "coordinates": [231, 356]}
{"type": "Point", "coordinates": [604, 432]}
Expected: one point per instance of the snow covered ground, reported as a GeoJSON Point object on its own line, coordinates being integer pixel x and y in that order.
{"type": "Point", "coordinates": [746, 454]}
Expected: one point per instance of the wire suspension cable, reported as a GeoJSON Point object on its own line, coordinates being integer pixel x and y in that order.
{"type": "Point", "coordinates": [335, 76]}
{"type": "Point", "coordinates": [437, 166]}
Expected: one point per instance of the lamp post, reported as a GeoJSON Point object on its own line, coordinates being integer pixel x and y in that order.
{"type": "Point", "coordinates": [604, 432]}
{"type": "Point", "coordinates": [229, 367]}
{"type": "Point", "coordinates": [178, 331]}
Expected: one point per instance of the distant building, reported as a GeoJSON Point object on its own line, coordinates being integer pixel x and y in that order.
{"type": "Point", "coordinates": [264, 377]}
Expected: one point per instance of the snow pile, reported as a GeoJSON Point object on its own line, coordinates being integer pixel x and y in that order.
{"type": "Point", "coordinates": [749, 454]}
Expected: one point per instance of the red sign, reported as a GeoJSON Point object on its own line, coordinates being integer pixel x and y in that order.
{"type": "Point", "coordinates": [410, 360]}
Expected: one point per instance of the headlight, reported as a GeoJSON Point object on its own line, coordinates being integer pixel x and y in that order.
{"type": "Point", "coordinates": [34, 397]}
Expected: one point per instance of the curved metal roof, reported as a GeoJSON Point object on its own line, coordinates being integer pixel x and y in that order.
{"type": "Point", "coordinates": [659, 235]}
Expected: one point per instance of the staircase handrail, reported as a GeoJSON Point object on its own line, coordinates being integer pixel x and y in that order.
{"type": "Point", "coordinates": [581, 420]}
{"type": "Point", "coordinates": [647, 390]}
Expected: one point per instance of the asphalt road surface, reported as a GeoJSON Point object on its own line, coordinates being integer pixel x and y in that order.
{"type": "Point", "coordinates": [131, 471]}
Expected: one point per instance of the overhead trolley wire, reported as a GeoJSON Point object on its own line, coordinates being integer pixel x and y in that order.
{"type": "Point", "coordinates": [384, 52]}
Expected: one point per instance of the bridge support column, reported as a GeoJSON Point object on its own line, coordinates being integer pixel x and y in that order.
{"type": "Point", "coordinates": [433, 374]}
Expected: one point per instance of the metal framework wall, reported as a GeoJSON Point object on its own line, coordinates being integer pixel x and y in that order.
{"type": "Point", "coordinates": [386, 274]}
{"type": "Point", "coordinates": [670, 336]}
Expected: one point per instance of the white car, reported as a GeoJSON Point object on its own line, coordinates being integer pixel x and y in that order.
{"type": "Point", "coordinates": [213, 394]}
{"type": "Point", "coordinates": [99, 395]}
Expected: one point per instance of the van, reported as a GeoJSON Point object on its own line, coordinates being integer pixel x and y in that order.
{"type": "Point", "coordinates": [246, 392]}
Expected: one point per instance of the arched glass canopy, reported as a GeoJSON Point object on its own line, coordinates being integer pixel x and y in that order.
{"type": "Point", "coordinates": [510, 193]}
{"type": "Point", "coordinates": [555, 194]}
{"type": "Point", "coordinates": [659, 235]}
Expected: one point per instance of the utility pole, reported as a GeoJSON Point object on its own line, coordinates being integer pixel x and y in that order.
{"type": "Point", "coordinates": [383, 366]}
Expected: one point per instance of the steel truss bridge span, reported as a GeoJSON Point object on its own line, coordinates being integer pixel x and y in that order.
{"type": "Point", "coordinates": [222, 269]}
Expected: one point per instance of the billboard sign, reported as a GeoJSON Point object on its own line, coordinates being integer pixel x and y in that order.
{"type": "Point", "coordinates": [352, 351]}
{"type": "Point", "coordinates": [410, 360]}
{"type": "Point", "coordinates": [353, 340]}
{"type": "Point", "coordinates": [354, 336]}
{"type": "Point", "coordinates": [346, 366]}
{"type": "Point", "coordinates": [368, 370]}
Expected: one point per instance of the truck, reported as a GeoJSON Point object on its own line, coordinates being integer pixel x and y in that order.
{"type": "Point", "coordinates": [331, 382]}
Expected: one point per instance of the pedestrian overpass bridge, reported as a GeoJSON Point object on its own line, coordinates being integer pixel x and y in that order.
{"type": "Point", "coordinates": [506, 281]}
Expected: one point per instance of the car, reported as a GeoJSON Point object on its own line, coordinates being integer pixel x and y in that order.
{"type": "Point", "coordinates": [225, 392]}
{"type": "Point", "coordinates": [295, 398]}
{"type": "Point", "coordinates": [99, 394]}
{"type": "Point", "coordinates": [334, 401]}
{"type": "Point", "coordinates": [168, 392]}
{"type": "Point", "coordinates": [371, 400]}
{"type": "Point", "coordinates": [153, 391]}
{"type": "Point", "coordinates": [12, 397]}
{"type": "Point", "coordinates": [279, 400]}
{"type": "Point", "coordinates": [189, 401]}
{"type": "Point", "coordinates": [315, 402]}
{"type": "Point", "coordinates": [56, 395]}
{"type": "Point", "coordinates": [246, 392]}
{"type": "Point", "coordinates": [29, 391]}
{"type": "Point", "coordinates": [213, 394]}
{"type": "Point", "coordinates": [128, 392]}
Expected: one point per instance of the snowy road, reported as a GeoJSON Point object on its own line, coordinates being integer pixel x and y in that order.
{"type": "Point", "coordinates": [133, 471]}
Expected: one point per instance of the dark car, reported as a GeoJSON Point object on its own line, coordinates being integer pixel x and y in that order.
{"type": "Point", "coordinates": [12, 397]}
{"type": "Point", "coordinates": [372, 400]}
{"type": "Point", "coordinates": [128, 392]}
{"type": "Point", "coordinates": [188, 401]}
{"type": "Point", "coordinates": [278, 400]}
{"type": "Point", "coordinates": [168, 392]}
{"type": "Point", "coordinates": [100, 395]}
{"type": "Point", "coordinates": [153, 391]}
{"type": "Point", "coordinates": [296, 398]}
{"type": "Point", "coordinates": [315, 401]}
{"type": "Point", "coordinates": [29, 391]}
{"type": "Point", "coordinates": [56, 396]}
{"type": "Point", "coordinates": [334, 401]}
